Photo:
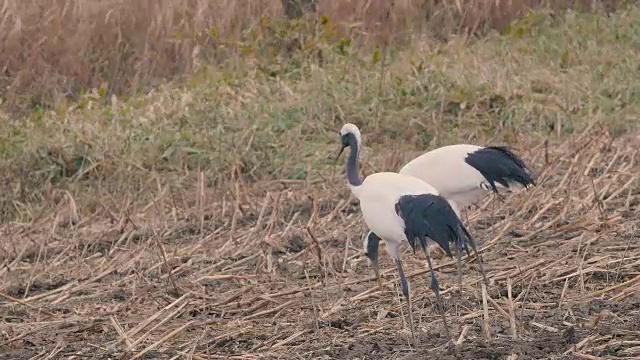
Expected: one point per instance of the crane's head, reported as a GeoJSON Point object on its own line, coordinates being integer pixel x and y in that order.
{"type": "Point", "coordinates": [350, 135]}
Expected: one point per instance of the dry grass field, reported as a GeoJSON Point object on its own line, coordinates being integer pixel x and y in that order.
{"type": "Point", "coordinates": [192, 207]}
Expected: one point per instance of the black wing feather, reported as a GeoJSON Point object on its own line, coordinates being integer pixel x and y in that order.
{"type": "Point", "coordinates": [431, 216]}
{"type": "Point", "coordinates": [498, 164]}
{"type": "Point", "coordinates": [373, 244]}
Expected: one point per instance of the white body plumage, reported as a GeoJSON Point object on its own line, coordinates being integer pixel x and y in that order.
{"type": "Point", "coordinates": [398, 208]}
{"type": "Point", "coordinates": [378, 196]}
{"type": "Point", "coordinates": [445, 169]}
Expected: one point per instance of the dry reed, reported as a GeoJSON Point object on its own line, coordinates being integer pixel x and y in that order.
{"type": "Point", "coordinates": [54, 50]}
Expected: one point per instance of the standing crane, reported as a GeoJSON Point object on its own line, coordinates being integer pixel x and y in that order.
{"type": "Point", "coordinates": [462, 174]}
{"type": "Point", "coordinates": [399, 208]}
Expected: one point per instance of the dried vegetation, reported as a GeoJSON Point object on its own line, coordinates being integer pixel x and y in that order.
{"type": "Point", "coordinates": [206, 218]}
{"type": "Point", "coordinates": [52, 50]}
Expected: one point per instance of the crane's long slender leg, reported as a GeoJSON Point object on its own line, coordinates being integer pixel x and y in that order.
{"type": "Point", "coordinates": [475, 251]}
{"type": "Point", "coordinates": [376, 270]}
{"type": "Point", "coordinates": [459, 244]}
{"type": "Point", "coordinates": [405, 292]}
{"type": "Point", "coordinates": [459, 265]}
{"type": "Point", "coordinates": [436, 289]}
{"type": "Point", "coordinates": [466, 249]}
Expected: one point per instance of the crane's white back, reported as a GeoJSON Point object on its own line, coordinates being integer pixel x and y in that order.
{"type": "Point", "coordinates": [378, 197]}
{"type": "Point", "coordinates": [445, 169]}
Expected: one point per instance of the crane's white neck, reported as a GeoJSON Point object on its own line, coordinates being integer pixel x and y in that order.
{"type": "Point", "coordinates": [355, 190]}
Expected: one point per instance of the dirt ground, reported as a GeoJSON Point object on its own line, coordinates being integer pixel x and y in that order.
{"type": "Point", "coordinates": [275, 270]}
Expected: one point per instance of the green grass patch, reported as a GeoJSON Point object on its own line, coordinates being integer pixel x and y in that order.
{"type": "Point", "coordinates": [273, 112]}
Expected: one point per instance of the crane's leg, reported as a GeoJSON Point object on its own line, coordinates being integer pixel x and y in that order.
{"type": "Point", "coordinates": [436, 289]}
{"type": "Point", "coordinates": [376, 270]}
{"type": "Point", "coordinates": [475, 251]}
{"type": "Point", "coordinates": [371, 247]}
{"type": "Point", "coordinates": [405, 292]}
{"type": "Point", "coordinates": [459, 244]}
{"type": "Point", "coordinates": [459, 265]}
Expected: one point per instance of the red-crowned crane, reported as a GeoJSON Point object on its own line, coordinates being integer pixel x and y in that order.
{"type": "Point", "coordinates": [398, 208]}
{"type": "Point", "coordinates": [462, 174]}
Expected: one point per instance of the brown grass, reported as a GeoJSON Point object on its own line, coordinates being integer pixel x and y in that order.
{"type": "Point", "coordinates": [253, 283]}
{"type": "Point", "coordinates": [52, 50]}
{"type": "Point", "coordinates": [208, 219]}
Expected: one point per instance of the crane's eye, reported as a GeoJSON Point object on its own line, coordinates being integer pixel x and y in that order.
{"type": "Point", "coordinates": [345, 139]}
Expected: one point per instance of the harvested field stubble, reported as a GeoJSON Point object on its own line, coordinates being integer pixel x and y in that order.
{"type": "Point", "coordinates": [290, 280]}
{"type": "Point", "coordinates": [207, 220]}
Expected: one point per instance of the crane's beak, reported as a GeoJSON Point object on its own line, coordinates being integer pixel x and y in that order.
{"type": "Point", "coordinates": [340, 152]}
